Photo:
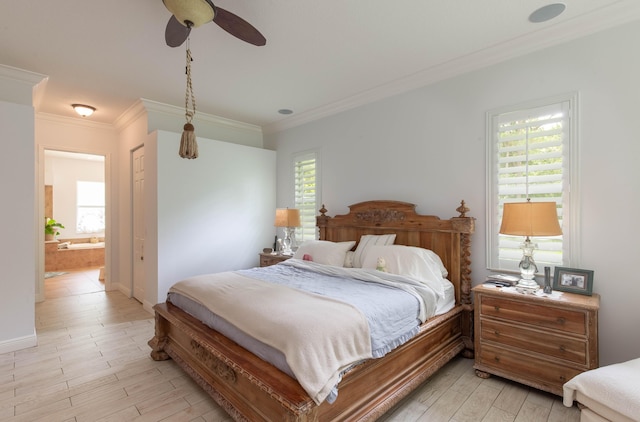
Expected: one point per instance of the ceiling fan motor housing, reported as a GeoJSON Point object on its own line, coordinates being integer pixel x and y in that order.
{"type": "Point", "coordinates": [197, 12]}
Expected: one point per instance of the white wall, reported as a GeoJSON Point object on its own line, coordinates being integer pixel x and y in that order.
{"type": "Point", "coordinates": [214, 213]}
{"type": "Point", "coordinates": [17, 249]}
{"type": "Point", "coordinates": [17, 193]}
{"type": "Point", "coordinates": [428, 147]}
{"type": "Point", "coordinates": [140, 126]}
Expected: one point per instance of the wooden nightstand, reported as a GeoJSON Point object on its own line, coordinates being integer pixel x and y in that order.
{"type": "Point", "coordinates": [267, 259]}
{"type": "Point", "coordinates": [539, 341]}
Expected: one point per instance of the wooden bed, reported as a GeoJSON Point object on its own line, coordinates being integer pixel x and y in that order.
{"type": "Point", "coordinates": [250, 389]}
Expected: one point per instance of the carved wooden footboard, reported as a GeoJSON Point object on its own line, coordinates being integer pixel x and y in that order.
{"type": "Point", "coordinates": [250, 389]}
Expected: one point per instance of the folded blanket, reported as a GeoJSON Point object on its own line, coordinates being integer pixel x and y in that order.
{"type": "Point", "coordinates": [617, 386]}
{"type": "Point", "coordinates": [318, 345]}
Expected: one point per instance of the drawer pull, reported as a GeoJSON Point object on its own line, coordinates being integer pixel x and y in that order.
{"type": "Point", "coordinates": [561, 320]}
{"type": "Point", "coordinates": [497, 308]}
{"type": "Point", "coordinates": [562, 348]}
{"type": "Point", "coordinates": [496, 358]}
{"type": "Point", "coordinates": [562, 378]}
{"type": "Point", "coordinates": [497, 333]}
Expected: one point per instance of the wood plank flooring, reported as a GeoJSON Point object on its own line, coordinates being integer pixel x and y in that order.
{"type": "Point", "coordinates": [92, 364]}
{"type": "Point", "coordinates": [73, 283]}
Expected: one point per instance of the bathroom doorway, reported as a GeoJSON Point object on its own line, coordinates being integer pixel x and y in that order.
{"type": "Point", "coordinates": [75, 196]}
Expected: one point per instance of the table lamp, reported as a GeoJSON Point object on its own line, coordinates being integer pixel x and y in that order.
{"type": "Point", "coordinates": [288, 219]}
{"type": "Point", "coordinates": [529, 219]}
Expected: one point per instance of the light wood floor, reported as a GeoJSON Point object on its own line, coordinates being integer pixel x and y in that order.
{"type": "Point", "coordinates": [73, 283]}
{"type": "Point", "coordinates": [92, 364]}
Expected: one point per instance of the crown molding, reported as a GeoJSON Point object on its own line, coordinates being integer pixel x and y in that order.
{"type": "Point", "coordinates": [134, 112]}
{"type": "Point", "coordinates": [20, 75]}
{"type": "Point", "coordinates": [551, 35]}
{"type": "Point", "coordinates": [73, 121]}
{"type": "Point", "coordinates": [161, 108]}
{"type": "Point", "coordinates": [19, 85]}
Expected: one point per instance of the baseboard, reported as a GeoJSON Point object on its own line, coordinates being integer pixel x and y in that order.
{"type": "Point", "coordinates": [125, 291]}
{"type": "Point", "coordinates": [20, 343]}
{"type": "Point", "coordinates": [148, 307]}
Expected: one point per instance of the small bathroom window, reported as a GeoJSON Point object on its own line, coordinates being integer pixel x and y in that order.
{"type": "Point", "coordinates": [90, 206]}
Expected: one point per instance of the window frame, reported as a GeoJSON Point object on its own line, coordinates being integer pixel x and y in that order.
{"type": "Point", "coordinates": [310, 222]}
{"type": "Point", "coordinates": [570, 198]}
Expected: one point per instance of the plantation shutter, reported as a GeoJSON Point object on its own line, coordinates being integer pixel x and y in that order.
{"type": "Point", "coordinates": [531, 159]}
{"type": "Point", "coordinates": [90, 207]}
{"type": "Point", "coordinates": [305, 196]}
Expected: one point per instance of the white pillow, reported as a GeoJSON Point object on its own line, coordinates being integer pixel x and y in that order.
{"type": "Point", "coordinates": [325, 252]}
{"type": "Point", "coordinates": [438, 261]}
{"type": "Point", "coordinates": [408, 261]}
{"type": "Point", "coordinates": [367, 240]}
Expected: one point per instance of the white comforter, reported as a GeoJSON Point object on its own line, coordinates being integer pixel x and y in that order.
{"type": "Point", "coordinates": [319, 336]}
{"type": "Point", "coordinates": [426, 291]}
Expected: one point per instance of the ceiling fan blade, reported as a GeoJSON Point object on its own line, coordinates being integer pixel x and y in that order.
{"type": "Point", "coordinates": [238, 27]}
{"type": "Point", "coordinates": [176, 33]}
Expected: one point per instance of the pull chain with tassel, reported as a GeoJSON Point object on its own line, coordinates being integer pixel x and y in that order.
{"type": "Point", "coordinates": [188, 144]}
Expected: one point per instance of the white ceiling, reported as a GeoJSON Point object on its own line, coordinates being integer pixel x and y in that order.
{"type": "Point", "coordinates": [321, 56]}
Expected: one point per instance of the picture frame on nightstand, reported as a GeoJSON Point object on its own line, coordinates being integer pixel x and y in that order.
{"type": "Point", "coordinates": [573, 280]}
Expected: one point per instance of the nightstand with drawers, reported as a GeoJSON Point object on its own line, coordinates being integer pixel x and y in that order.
{"type": "Point", "coordinates": [267, 259]}
{"type": "Point", "coordinates": [539, 340]}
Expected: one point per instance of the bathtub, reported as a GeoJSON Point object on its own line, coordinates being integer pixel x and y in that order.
{"type": "Point", "coordinates": [83, 246]}
{"type": "Point", "coordinates": [73, 256]}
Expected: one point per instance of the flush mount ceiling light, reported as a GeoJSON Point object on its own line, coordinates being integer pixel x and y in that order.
{"type": "Point", "coordinates": [546, 13]}
{"type": "Point", "coordinates": [83, 110]}
{"type": "Point", "coordinates": [285, 111]}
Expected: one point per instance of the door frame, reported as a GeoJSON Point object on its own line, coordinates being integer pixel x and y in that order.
{"type": "Point", "coordinates": [39, 288]}
{"type": "Point", "coordinates": [132, 216]}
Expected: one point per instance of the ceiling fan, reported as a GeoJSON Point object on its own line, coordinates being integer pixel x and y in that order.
{"type": "Point", "coordinates": [189, 14]}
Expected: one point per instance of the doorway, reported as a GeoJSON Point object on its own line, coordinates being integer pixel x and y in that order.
{"type": "Point", "coordinates": [75, 194]}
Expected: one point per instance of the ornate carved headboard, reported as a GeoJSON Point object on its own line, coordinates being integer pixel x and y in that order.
{"type": "Point", "coordinates": [450, 239]}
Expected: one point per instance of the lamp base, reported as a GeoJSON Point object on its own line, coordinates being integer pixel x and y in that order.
{"type": "Point", "coordinates": [287, 242]}
{"type": "Point", "coordinates": [528, 286]}
{"type": "Point", "coordinates": [528, 268]}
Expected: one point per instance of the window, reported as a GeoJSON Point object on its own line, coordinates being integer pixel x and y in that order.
{"type": "Point", "coordinates": [90, 207]}
{"type": "Point", "coordinates": [306, 194]}
{"type": "Point", "coordinates": [531, 152]}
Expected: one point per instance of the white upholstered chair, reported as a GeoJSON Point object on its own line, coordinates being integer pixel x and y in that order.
{"type": "Point", "coordinates": [608, 393]}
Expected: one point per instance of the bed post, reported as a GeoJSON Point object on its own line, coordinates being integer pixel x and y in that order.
{"type": "Point", "coordinates": [321, 222]}
{"type": "Point", "coordinates": [159, 340]}
{"type": "Point", "coordinates": [465, 279]}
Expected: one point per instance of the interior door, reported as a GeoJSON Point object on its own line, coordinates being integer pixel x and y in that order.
{"type": "Point", "coordinates": [138, 224]}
